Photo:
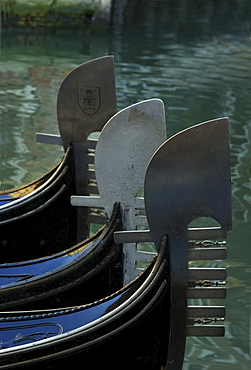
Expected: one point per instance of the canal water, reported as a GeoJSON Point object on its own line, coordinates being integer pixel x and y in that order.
{"type": "Point", "coordinates": [196, 57]}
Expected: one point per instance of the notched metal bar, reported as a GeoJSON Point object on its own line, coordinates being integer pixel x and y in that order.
{"type": "Point", "coordinates": [206, 311]}
{"type": "Point", "coordinates": [205, 331]}
{"type": "Point", "coordinates": [134, 236]}
{"type": "Point", "coordinates": [207, 254]}
{"type": "Point", "coordinates": [197, 273]}
{"type": "Point", "coordinates": [206, 293]}
{"type": "Point", "coordinates": [48, 139]}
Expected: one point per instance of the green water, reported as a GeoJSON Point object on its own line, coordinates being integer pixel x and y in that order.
{"type": "Point", "coordinates": [195, 56]}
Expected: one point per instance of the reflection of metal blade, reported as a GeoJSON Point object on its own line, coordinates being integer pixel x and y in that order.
{"type": "Point", "coordinates": [188, 177]}
{"type": "Point", "coordinates": [28, 333]}
{"type": "Point", "coordinates": [7, 279]}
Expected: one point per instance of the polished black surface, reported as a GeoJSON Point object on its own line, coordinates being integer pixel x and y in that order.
{"type": "Point", "coordinates": [110, 332]}
{"type": "Point", "coordinates": [42, 222]}
{"type": "Point", "coordinates": [83, 273]}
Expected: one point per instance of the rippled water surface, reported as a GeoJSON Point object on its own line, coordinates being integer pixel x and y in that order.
{"type": "Point", "coordinates": [196, 57]}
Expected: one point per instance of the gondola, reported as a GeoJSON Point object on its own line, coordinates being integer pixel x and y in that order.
{"type": "Point", "coordinates": [44, 251]}
{"type": "Point", "coordinates": [45, 203]}
{"type": "Point", "coordinates": [97, 334]}
{"type": "Point", "coordinates": [144, 324]}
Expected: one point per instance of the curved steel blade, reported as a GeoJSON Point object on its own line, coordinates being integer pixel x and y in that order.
{"type": "Point", "coordinates": [125, 146]}
{"type": "Point", "coordinates": [86, 100]}
{"type": "Point", "coordinates": [189, 177]}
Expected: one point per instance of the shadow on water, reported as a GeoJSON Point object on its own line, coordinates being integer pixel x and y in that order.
{"type": "Point", "coordinates": [196, 57]}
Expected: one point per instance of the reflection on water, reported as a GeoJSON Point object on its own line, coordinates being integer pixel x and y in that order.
{"type": "Point", "coordinates": [196, 56]}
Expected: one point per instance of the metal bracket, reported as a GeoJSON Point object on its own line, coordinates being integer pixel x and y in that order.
{"type": "Point", "coordinates": [48, 139]}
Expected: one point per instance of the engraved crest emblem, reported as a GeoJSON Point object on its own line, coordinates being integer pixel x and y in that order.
{"type": "Point", "coordinates": [89, 99]}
